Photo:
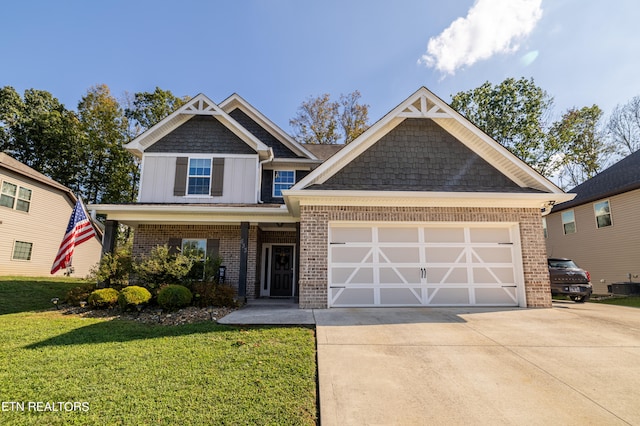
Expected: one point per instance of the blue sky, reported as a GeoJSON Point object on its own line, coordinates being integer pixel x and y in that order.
{"type": "Point", "coordinates": [277, 53]}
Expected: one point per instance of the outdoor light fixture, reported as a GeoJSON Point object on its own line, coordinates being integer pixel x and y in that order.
{"type": "Point", "coordinates": [55, 301]}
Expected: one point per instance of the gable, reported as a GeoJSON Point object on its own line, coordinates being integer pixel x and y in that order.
{"type": "Point", "coordinates": [279, 149]}
{"type": "Point", "coordinates": [201, 134]}
{"type": "Point", "coordinates": [418, 155]}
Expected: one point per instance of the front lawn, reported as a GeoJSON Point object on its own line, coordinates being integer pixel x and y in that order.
{"type": "Point", "coordinates": [96, 371]}
{"type": "Point", "coordinates": [632, 301]}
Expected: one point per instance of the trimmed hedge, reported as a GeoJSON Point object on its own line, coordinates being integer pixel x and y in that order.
{"type": "Point", "coordinates": [103, 298]}
{"type": "Point", "coordinates": [174, 296]}
{"type": "Point", "coordinates": [133, 295]}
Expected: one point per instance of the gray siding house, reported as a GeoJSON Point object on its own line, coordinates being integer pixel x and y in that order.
{"type": "Point", "coordinates": [600, 227]}
{"type": "Point", "coordinates": [423, 209]}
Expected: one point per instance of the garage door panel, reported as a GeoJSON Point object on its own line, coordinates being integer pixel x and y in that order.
{"type": "Point", "coordinates": [495, 296]}
{"type": "Point", "coordinates": [345, 254]}
{"type": "Point", "coordinates": [400, 296]}
{"type": "Point", "coordinates": [399, 255]}
{"type": "Point", "coordinates": [492, 254]}
{"type": "Point", "coordinates": [398, 235]}
{"type": "Point", "coordinates": [423, 264]}
{"type": "Point", "coordinates": [444, 254]}
{"type": "Point", "coordinates": [450, 296]}
{"type": "Point", "coordinates": [352, 296]}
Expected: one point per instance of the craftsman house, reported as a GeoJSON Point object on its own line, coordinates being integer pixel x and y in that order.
{"type": "Point", "coordinates": [423, 209]}
{"type": "Point", "coordinates": [600, 228]}
{"type": "Point", "coordinates": [34, 213]}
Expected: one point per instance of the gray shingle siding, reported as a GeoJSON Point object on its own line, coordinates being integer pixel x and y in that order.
{"type": "Point", "coordinates": [202, 134]}
{"type": "Point", "coordinates": [418, 155]}
{"type": "Point", "coordinates": [279, 149]}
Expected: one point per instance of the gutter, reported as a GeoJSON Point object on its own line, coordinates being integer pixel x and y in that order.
{"type": "Point", "coordinates": [259, 177]}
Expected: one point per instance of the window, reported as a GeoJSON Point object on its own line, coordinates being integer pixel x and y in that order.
{"type": "Point", "coordinates": [544, 227]}
{"type": "Point", "coordinates": [282, 179]}
{"type": "Point", "coordinates": [199, 177]}
{"type": "Point", "coordinates": [603, 214]}
{"type": "Point", "coordinates": [22, 250]}
{"type": "Point", "coordinates": [197, 250]}
{"type": "Point", "coordinates": [13, 196]}
{"type": "Point", "coordinates": [568, 222]}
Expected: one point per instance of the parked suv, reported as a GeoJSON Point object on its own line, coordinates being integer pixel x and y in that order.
{"type": "Point", "coordinates": [568, 279]}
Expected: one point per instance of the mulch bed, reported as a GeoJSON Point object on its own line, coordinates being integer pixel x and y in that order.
{"type": "Point", "coordinates": [154, 315]}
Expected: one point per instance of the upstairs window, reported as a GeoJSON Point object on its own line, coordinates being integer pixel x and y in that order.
{"type": "Point", "coordinates": [15, 197]}
{"type": "Point", "coordinates": [282, 180]}
{"type": "Point", "coordinates": [568, 222]}
{"type": "Point", "coordinates": [603, 214]}
{"type": "Point", "coordinates": [199, 177]}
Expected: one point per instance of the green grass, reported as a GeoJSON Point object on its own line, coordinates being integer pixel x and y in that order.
{"type": "Point", "coordinates": [132, 373]}
{"type": "Point", "coordinates": [21, 294]}
{"type": "Point", "coordinates": [632, 301]}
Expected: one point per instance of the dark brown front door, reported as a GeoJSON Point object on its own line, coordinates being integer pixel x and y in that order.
{"type": "Point", "coordinates": [282, 271]}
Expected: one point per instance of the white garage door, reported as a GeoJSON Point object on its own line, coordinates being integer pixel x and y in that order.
{"type": "Point", "coordinates": [424, 264]}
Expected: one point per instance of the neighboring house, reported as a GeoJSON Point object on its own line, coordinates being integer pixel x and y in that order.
{"type": "Point", "coordinates": [34, 213]}
{"type": "Point", "coordinates": [600, 228]}
{"type": "Point", "coordinates": [423, 209]}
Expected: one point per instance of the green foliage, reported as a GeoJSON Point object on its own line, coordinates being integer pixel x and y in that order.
{"type": "Point", "coordinates": [513, 113]}
{"type": "Point", "coordinates": [114, 269]}
{"type": "Point", "coordinates": [79, 294]}
{"type": "Point", "coordinates": [133, 296]}
{"type": "Point", "coordinates": [318, 119]}
{"type": "Point", "coordinates": [162, 267]}
{"type": "Point", "coordinates": [174, 296]}
{"type": "Point", "coordinates": [147, 108]}
{"type": "Point", "coordinates": [103, 298]}
{"type": "Point", "coordinates": [225, 295]}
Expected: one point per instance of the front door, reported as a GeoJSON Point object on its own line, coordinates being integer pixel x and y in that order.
{"type": "Point", "coordinates": [282, 271]}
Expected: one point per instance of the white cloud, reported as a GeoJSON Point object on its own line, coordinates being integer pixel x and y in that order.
{"type": "Point", "coordinates": [490, 27]}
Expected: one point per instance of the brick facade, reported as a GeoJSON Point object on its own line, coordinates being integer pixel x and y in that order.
{"type": "Point", "coordinates": [314, 239]}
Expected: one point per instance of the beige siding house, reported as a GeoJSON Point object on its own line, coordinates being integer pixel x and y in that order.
{"type": "Point", "coordinates": [422, 209]}
{"type": "Point", "coordinates": [34, 213]}
{"type": "Point", "coordinates": [600, 228]}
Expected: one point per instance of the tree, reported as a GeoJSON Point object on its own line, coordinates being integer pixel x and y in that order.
{"type": "Point", "coordinates": [354, 116]}
{"type": "Point", "coordinates": [148, 108]}
{"type": "Point", "coordinates": [514, 113]}
{"type": "Point", "coordinates": [40, 132]}
{"type": "Point", "coordinates": [624, 126]}
{"type": "Point", "coordinates": [586, 149]}
{"type": "Point", "coordinates": [319, 120]}
{"type": "Point", "coordinates": [111, 174]}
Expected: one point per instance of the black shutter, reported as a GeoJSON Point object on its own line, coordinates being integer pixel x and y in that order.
{"type": "Point", "coordinates": [217, 177]}
{"type": "Point", "coordinates": [180, 179]}
{"type": "Point", "coordinates": [175, 245]}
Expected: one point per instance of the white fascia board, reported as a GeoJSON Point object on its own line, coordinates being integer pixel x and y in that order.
{"type": "Point", "coordinates": [133, 213]}
{"type": "Point", "coordinates": [237, 101]}
{"type": "Point", "coordinates": [295, 198]}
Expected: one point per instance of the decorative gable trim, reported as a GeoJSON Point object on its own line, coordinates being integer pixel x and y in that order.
{"type": "Point", "coordinates": [423, 107]}
{"type": "Point", "coordinates": [236, 101]}
{"type": "Point", "coordinates": [199, 105]}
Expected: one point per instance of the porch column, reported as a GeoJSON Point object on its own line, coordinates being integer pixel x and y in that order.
{"type": "Point", "coordinates": [244, 256]}
{"type": "Point", "coordinates": [109, 238]}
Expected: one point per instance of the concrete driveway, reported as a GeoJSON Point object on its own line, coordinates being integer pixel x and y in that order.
{"type": "Point", "coordinates": [573, 364]}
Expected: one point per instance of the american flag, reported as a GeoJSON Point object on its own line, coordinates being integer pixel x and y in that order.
{"type": "Point", "coordinates": [79, 230]}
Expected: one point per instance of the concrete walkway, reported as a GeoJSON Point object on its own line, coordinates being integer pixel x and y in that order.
{"type": "Point", "coordinates": [575, 364]}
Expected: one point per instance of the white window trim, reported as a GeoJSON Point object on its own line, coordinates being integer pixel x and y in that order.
{"type": "Point", "coordinates": [273, 189]}
{"type": "Point", "coordinates": [595, 213]}
{"type": "Point", "coordinates": [575, 225]}
{"type": "Point", "coordinates": [13, 252]}
{"type": "Point", "coordinates": [17, 196]}
{"type": "Point", "coordinates": [208, 194]}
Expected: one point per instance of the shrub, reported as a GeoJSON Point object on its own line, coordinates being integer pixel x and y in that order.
{"type": "Point", "coordinates": [114, 269]}
{"type": "Point", "coordinates": [174, 296]}
{"type": "Point", "coordinates": [103, 298]}
{"type": "Point", "coordinates": [162, 267]}
{"type": "Point", "coordinates": [225, 295]}
{"type": "Point", "coordinates": [78, 294]}
{"type": "Point", "coordinates": [133, 295]}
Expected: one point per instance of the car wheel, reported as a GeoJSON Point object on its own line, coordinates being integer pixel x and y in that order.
{"type": "Point", "coordinates": [578, 299]}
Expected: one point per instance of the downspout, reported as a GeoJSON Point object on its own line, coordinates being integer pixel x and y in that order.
{"type": "Point", "coordinates": [259, 177]}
